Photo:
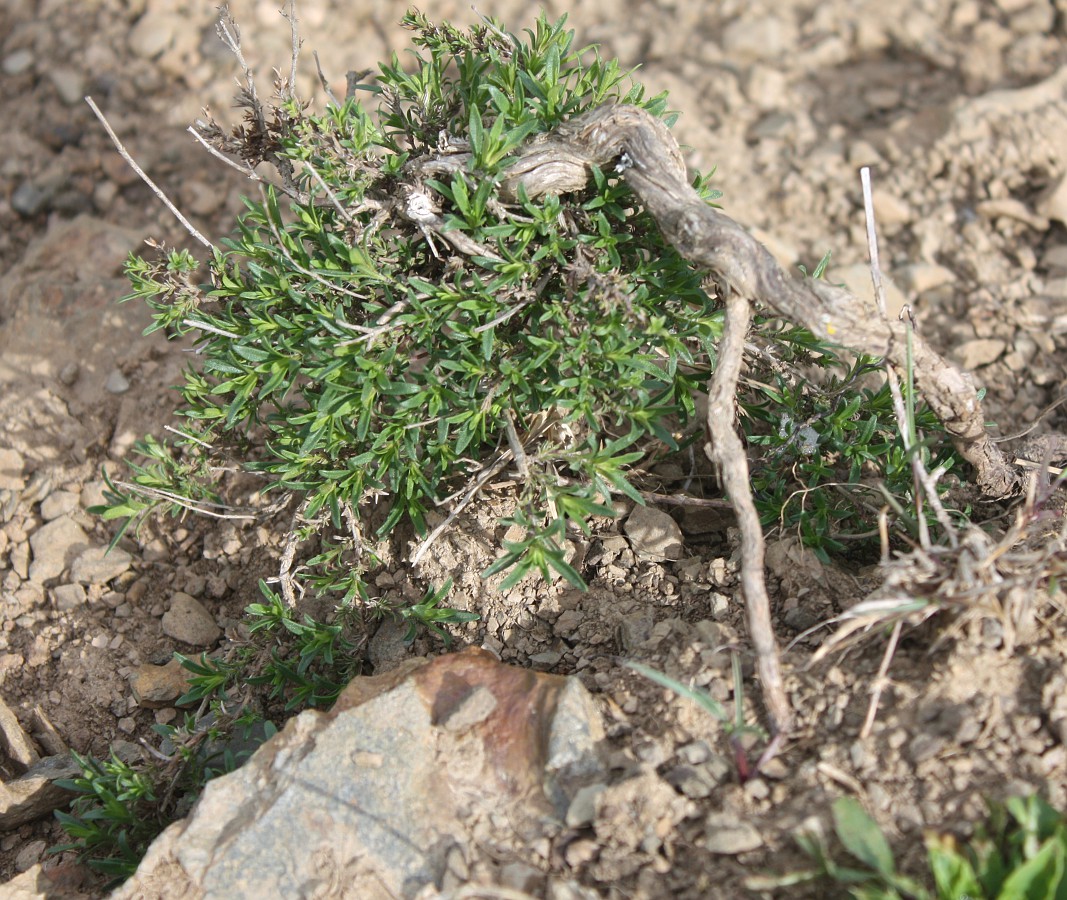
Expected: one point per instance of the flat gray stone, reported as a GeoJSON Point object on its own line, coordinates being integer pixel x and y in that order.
{"type": "Point", "coordinates": [69, 84]}
{"type": "Point", "coordinates": [18, 61]}
{"type": "Point", "coordinates": [361, 786]}
{"type": "Point", "coordinates": [28, 199]}
{"type": "Point", "coordinates": [55, 546]}
{"type": "Point", "coordinates": [979, 352]}
{"type": "Point", "coordinates": [68, 596]}
{"type": "Point", "coordinates": [117, 383]}
{"type": "Point", "coordinates": [728, 835]}
{"type": "Point", "coordinates": [654, 534]}
{"type": "Point", "coordinates": [35, 795]}
{"type": "Point", "coordinates": [58, 503]}
{"type": "Point", "coordinates": [97, 565]}
{"type": "Point", "coordinates": [188, 621]}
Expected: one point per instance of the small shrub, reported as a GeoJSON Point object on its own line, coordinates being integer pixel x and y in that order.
{"type": "Point", "coordinates": [1019, 852]}
{"type": "Point", "coordinates": [122, 806]}
{"type": "Point", "coordinates": [350, 355]}
{"type": "Point", "coordinates": [114, 817]}
{"type": "Point", "coordinates": [395, 334]}
{"type": "Point", "coordinates": [383, 335]}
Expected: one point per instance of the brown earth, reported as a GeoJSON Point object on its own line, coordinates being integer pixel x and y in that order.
{"type": "Point", "coordinates": [960, 107]}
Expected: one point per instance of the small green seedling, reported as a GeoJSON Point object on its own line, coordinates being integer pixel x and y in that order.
{"type": "Point", "coordinates": [1019, 853]}
{"type": "Point", "coordinates": [427, 614]}
{"type": "Point", "coordinates": [734, 724]}
{"type": "Point", "coordinates": [114, 817]}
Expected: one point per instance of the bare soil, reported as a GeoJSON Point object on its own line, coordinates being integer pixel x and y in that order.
{"type": "Point", "coordinates": [960, 107]}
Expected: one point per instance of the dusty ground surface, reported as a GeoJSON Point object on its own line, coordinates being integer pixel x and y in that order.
{"type": "Point", "coordinates": [787, 100]}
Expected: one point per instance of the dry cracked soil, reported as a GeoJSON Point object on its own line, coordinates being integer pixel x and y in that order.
{"type": "Point", "coordinates": [960, 107]}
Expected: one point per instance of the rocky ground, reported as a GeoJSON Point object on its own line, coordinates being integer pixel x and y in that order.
{"type": "Point", "coordinates": [960, 107]}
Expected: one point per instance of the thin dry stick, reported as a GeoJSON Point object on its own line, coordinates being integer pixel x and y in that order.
{"type": "Point", "coordinates": [517, 450]}
{"type": "Point", "coordinates": [329, 192]}
{"type": "Point", "coordinates": [1037, 421]}
{"type": "Point", "coordinates": [922, 477]}
{"type": "Point", "coordinates": [228, 30]}
{"type": "Point", "coordinates": [290, 16]}
{"type": "Point", "coordinates": [325, 84]}
{"type": "Point", "coordinates": [245, 170]}
{"type": "Point", "coordinates": [903, 425]}
{"type": "Point", "coordinates": [285, 564]}
{"type": "Point", "coordinates": [188, 437]}
{"type": "Point", "coordinates": [880, 681]}
{"type": "Point", "coordinates": [1030, 464]}
{"type": "Point", "coordinates": [464, 502]}
{"type": "Point", "coordinates": [186, 224]}
{"type": "Point", "coordinates": [728, 453]}
{"type": "Point", "coordinates": [177, 499]}
{"type": "Point", "coordinates": [355, 531]}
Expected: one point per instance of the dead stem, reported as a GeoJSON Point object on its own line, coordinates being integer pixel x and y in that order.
{"type": "Point", "coordinates": [646, 154]}
{"type": "Point", "coordinates": [125, 154]}
{"type": "Point", "coordinates": [728, 453]}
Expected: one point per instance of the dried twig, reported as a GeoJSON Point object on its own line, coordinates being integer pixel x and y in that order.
{"type": "Point", "coordinates": [290, 16]}
{"type": "Point", "coordinates": [285, 564]}
{"type": "Point", "coordinates": [186, 224]}
{"type": "Point", "coordinates": [345, 214]}
{"type": "Point", "coordinates": [204, 507]}
{"type": "Point", "coordinates": [325, 84]}
{"type": "Point", "coordinates": [245, 169]}
{"type": "Point", "coordinates": [648, 157]}
{"type": "Point", "coordinates": [880, 681]}
{"type": "Point", "coordinates": [472, 491]}
{"type": "Point", "coordinates": [728, 453]}
{"type": "Point", "coordinates": [923, 479]}
{"type": "Point", "coordinates": [355, 531]}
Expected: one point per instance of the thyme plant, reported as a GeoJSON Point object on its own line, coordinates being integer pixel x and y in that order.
{"type": "Point", "coordinates": [352, 350]}
{"type": "Point", "coordinates": [385, 332]}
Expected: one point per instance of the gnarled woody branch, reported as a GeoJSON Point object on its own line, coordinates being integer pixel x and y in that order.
{"type": "Point", "coordinates": [652, 164]}
{"type": "Point", "coordinates": [646, 153]}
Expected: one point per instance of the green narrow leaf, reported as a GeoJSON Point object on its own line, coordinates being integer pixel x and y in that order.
{"type": "Point", "coordinates": [953, 874]}
{"type": "Point", "coordinates": [702, 698]}
{"type": "Point", "coordinates": [556, 561]}
{"type": "Point", "coordinates": [1039, 878]}
{"type": "Point", "coordinates": [862, 837]}
{"type": "Point", "coordinates": [477, 131]}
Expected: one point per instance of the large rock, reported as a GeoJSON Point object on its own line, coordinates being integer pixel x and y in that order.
{"type": "Point", "coordinates": [376, 796]}
{"type": "Point", "coordinates": [35, 794]}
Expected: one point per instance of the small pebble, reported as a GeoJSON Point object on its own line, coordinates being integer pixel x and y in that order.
{"type": "Point", "coordinates": [28, 199]}
{"type": "Point", "coordinates": [117, 383]}
{"type": "Point", "coordinates": [69, 84]}
{"type": "Point", "coordinates": [188, 621]}
{"type": "Point", "coordinates": [68, 596]}
{"type": "Point", "coordinates": [69, 374]}
{"type": "Point", "coordinates": [17, 62]}
{"type": "Point", "coordinates": [30, 855]}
